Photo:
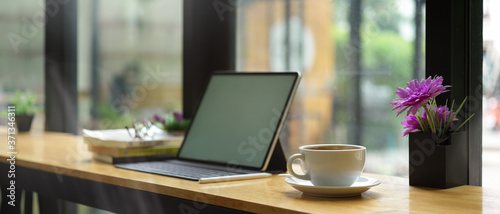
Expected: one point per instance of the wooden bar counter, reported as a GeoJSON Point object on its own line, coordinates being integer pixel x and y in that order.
{"type": "Point", "coordinates": [60, 165]}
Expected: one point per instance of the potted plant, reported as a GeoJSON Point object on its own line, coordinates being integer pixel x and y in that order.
{"type": "Point", "coordinates": [26, 109]}
{"type": "Point", "coordinates": [438, 155]}
{"type": "Point", "coordinates": [173, 123]}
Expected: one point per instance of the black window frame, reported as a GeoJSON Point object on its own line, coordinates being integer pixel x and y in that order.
{"type": "Point", "coordinates": [61, 94]}
{"type": "Point", "coordinates": [454, 51]}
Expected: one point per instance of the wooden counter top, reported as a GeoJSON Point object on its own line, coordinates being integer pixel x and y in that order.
{"type": "Point", "coordinates": [67, 155]}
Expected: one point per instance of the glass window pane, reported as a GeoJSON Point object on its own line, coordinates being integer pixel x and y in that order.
{"type": "Point", "coordinates": [129, 60]}
{"type": "Point", "coordinates": [348, 78]}
{"type": "Point", "coordinates": [491, 93]}
{"type": "Point", "coordinates": [22, 53]}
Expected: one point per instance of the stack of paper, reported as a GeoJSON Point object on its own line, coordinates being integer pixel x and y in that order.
{"type": "Point", "coordinates": [118, 146]}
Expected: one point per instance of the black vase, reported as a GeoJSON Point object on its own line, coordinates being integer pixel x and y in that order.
{"type": "Point", "coordinates": [438, 166]}
{"type": "Point", "coordinates": [24, 122]}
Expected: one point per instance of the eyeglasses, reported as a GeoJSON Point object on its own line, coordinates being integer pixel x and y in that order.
{"type": "Point", "coordinates": [140, 130]}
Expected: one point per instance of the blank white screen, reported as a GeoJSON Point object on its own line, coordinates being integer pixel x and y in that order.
{"type": "Point", "coordinates": [237, 118]}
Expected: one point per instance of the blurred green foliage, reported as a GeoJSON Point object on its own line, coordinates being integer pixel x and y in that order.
{"type": "Point", "coordinates": [385, 53]}
{"type": "Point", "coordinates": [386, 61]}
{"type": "Point", "coordinates": [112, 118]}
{"type": "Point", "coordinates": [25, 103]}
{"type": "Point", "coordinates": [171, 123]}
{"type": "Point", "coordinates": [388, 52]}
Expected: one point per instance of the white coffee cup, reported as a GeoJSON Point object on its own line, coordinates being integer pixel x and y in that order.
{"type": "Point", "coordinates": [330, 164]}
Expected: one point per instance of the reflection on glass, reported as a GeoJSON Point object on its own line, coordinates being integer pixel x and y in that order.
{"type": "Point", "coordinates": [22, 53]}
{"type": "Point", "coordinates": [129, 61]}
{"type": "Point", "coordinates": [352, 55]}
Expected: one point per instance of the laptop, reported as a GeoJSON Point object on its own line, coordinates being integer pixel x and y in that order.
{"type": "Point", "coordinates": [235, 128]}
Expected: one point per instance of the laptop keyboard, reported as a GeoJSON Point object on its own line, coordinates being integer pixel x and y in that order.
{"type": "Point", "coordinates": [174, 169]}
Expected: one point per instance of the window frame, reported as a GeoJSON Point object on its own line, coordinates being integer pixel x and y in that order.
{"type": "Point", "coordinates": [454, 51]}
{"type": "Point", "coordinates": [209, 45]}
{"type": "Point", "coordinates": [61, 95]}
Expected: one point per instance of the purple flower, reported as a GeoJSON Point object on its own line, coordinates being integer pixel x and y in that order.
{"type": "Point", "coordinates": [178, 116]}
{"type": "Point", "coordinates": [411, 124]}
{"type": "Point", "coordinates": [417, 94]}
{"type": "Point", "coordinates": [159, 118]}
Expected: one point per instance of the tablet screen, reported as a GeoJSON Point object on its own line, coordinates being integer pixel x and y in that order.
{"type": "Point", "coordinates": [238, 118]}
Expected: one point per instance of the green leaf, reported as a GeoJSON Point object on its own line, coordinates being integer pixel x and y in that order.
{"type": "Point", "coordinates": [463, 123]}
{"type": "Point", "coordinates": [458, 110]}
{"type": "Point", "coordinates": [421, 122]}
{"type": "Point", "coordinates": [454, 115]}
{"type": "Point", "coordinates": [430, 119]}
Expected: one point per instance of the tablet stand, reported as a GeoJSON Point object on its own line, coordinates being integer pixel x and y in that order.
{"type": "Point", "coordinates": [277, 164]}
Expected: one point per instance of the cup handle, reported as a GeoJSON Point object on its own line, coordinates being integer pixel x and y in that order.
{"type": "Point", "coordinates": [301, 157]}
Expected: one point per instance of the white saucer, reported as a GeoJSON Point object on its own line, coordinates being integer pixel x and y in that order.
{"type": "Point", "coordinates": [363, 184]}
